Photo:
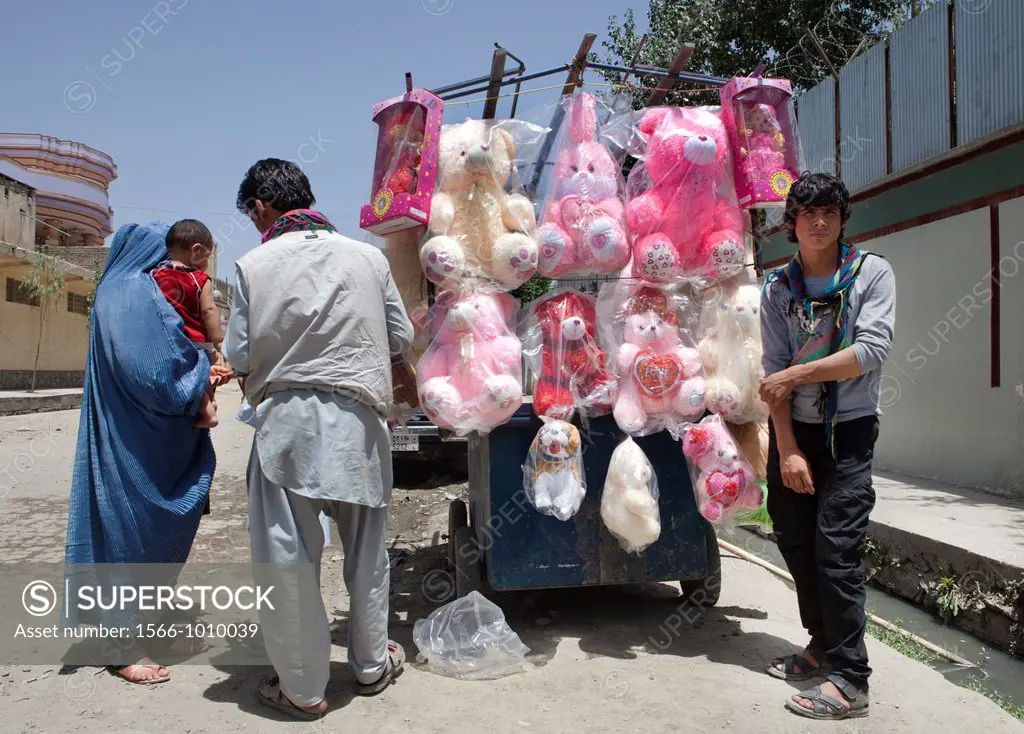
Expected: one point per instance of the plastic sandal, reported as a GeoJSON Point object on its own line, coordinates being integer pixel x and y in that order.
{"type": "Point", "coordinates": [276, 699]}
{"type": "Point", "coordinates": [395, 667]}
{"type": "Point", "coordinates": [827, 707]}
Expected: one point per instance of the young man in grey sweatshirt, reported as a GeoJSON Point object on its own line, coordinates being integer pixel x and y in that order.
{"type": "Point", "coordinates": [827, 322]}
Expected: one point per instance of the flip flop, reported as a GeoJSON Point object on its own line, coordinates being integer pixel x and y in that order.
{"type": "Point", "coordinates": [281, 702]}
{"type": "Point", "coordinates": [127, 671]}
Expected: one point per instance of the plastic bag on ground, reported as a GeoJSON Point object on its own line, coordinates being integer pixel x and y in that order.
{"type": "Point", "coordinates": [730, 350]}
{"type": "Point", "coordinates": [471, 376]}
{"type": "Point", "coordinates": [723, 482]}
{"type": "Point", "coordinates": [553, 477]}
{"type": "Point", "coordinates": [562, 350]}
{"type": "Point", "coordinates": [661, 379]}
{"type": "Point", "coordinates": [469, 639]}
{"type": "Point", "coordinates": [629, 501]}
{"type": "Point", "coordinates": [681, 202]}
{"type": "Point", "coordinates": [482, 228]}
{"type": "Point", "coordinates": [583, 226]}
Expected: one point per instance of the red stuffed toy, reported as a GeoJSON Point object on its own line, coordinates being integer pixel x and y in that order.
{"type": "Point", "coordinates": [568, 363]}
{"type": "Point", "coordinates": [404, 141]}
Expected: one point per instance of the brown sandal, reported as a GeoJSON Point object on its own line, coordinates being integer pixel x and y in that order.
{"type": "Point", "coordinates": [269, 693]}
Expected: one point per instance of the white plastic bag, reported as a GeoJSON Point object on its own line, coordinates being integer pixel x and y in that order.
{"type": "Point", "coordinates": [470, 640]}
{"type": "Point", "coordinates": [629, 502]}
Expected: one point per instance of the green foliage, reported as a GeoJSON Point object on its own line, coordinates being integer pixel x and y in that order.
{"type": "Point", "coordinates": [90, 298]}
{"type": "Point", "coordinates": [731, 37]}
{"type": "Point", "coordinates": [532, 289]}
{"type": "Point", "coordinates": [45, 282]}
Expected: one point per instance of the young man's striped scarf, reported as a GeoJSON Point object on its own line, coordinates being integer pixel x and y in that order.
{"type": "Point", "coordinates": [298, 219]}
{"type": "Point", "coordinates": [834, 301]}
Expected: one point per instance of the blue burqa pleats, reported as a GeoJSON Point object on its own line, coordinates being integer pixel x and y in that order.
{"type": "Point", "coordinates": [142, 472]}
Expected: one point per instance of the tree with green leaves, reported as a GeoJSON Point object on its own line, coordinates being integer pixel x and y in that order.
{"type": "Point", "coordinates": [90, 298]}
{"type": "Point", "coordinates": [45, 285]}
{"type": "Point", "coordinates": [532, 289]}
{"type": "Point", "coordinates": [731, 37]}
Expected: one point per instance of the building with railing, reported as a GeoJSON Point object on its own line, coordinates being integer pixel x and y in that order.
{"type": "Point", "coordinates": [927, 131]}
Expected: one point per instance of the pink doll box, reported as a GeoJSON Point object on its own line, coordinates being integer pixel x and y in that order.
{"type": "Point", "coordinates": [763, 138]}
{"type": "Point", "coordinates": [405, 168]}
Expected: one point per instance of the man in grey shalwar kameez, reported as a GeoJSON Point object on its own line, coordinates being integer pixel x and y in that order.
{"type": "Point", "coordinates": [315, 321]}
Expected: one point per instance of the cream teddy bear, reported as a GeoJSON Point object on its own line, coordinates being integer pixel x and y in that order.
{"type": "Point", "coordinates": [478, 232]}
{"type": "Point", "coordinates": [731, 352]}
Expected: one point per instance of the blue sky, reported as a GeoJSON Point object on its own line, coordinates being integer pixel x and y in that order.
{"type": "Point", "coordinates": [186, 94]}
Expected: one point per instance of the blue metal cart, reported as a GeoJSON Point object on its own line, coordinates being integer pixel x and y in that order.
{"type": "Point", "coordinates": [503, 543]}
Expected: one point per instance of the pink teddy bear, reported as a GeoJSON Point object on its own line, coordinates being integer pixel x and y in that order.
{"type": "Point", "coordinates": [583, 230]}
{"type": "Point", "coordinates": [661, 382]}
{"type": "Point", "coordinates": [725, 482]}
{"type": "Point", "coordinates": [470, 378]}
{"type": "Point", "coordinates": [688, 222]}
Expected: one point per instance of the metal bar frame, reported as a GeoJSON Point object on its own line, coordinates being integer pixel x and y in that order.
{"type": "Point", "coordinates": [668, 83]}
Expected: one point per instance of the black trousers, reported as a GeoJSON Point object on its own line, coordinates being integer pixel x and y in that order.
{"type": "Point", "coordinates": [822, 538]}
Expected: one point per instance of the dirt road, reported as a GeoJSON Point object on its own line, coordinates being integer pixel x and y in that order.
{"type": "Point", "coordinates": [610, 660]}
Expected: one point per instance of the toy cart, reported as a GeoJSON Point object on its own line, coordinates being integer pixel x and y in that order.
{"type": "Point", "coordinates": [503, 544]}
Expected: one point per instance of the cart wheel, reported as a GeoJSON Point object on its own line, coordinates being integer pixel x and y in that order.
{"type": "Point", "coordinates": [458, 517]}
{"type": "Point", "coordinates": [710, 587]}
{"type": "Point", "coordinates": [468, 570]}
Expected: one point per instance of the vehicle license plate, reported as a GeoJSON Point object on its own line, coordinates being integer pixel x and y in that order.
{"type": "Point", "coordinates": [404, 442]}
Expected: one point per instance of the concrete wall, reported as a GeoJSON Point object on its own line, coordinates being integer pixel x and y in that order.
{"type": "Point", "coordinates": [15, 227]}
{"type": "Point", "coordinates": [942, 419]}
{"type": "Point", "coordinates": [65, 343]}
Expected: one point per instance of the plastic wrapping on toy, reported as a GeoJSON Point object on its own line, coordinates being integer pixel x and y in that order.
{"type": "Point", "coordinates": [553, 477]}
{"type": "Point", "coordinates": [469, 639]}
{"type": "Point", "coordinates": [629, 501]}
{"type": "Point", "coordinates": [561, 347]}
{"type": "Point", "coordinates": [482, 231]}
{"type": "Point", "coordinates": [405, 164]}
{"type": "Point", "coordinates": [681, 208]}
{"type": "Point", "coordinates": [582, 229]}
{"type": "Point", "coordinates": [730, 349]}
{"type": "Point", "coordinates": [764, 138]}
{"type": "Point", "coordinates": [724, 484]}
{"type": "Point", "coordinates": [645, 331]}
{"type": "Point", "coordinates": [470, 378]}
{"type": "Point", "coordinates": [404, 389]}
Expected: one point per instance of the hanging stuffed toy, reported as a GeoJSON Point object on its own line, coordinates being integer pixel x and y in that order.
{"type": "Point", "coordinates": [724, 484]}
{"type": "Point", "coordinates": [561, 347]}
{"type": "Point", "coordinates": [583, 230]}
{"type": "Point", "coordinates": [629, 502]}
{"type": "Point", "coordinates": [553, 476]}
{"type": "Point", "coordinates": [730, 349]}
{"type": "Point", "coordinates": [661, 379]}
{"type": "Point", "coordinates": [682, 209]}
{"type": "Point", "coordinates": [471, 378]}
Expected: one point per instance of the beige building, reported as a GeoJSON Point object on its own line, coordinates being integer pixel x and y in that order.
{"type": "Point", "coordinates": [55, 202]}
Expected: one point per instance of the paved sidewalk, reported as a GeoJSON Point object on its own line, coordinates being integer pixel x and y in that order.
{"type": "Point", "coordinates": [936, 544]}
{"type": "Point", "coordinates": [19, 402]}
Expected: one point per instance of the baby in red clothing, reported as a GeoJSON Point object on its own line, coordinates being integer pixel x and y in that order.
{"type": "Point", "coordinates": [185, 284]}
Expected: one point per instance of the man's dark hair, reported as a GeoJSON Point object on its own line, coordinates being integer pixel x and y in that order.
{"type": "Point", "coordinates": [187, 232]}
{"type": "Point", "coordinates": [815, 190]}
{"type": "Point", "coordinates": [277, 183]}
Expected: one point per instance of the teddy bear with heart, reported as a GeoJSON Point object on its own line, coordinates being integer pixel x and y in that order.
{"type": "Point", "coordinates": [661, 381]}
{"type": "Point", "coordinates": [478, 233]}
{"type": "Point", "coordinates": [583, 229]}
{"type": "Point", "coordinates": [723, 482]}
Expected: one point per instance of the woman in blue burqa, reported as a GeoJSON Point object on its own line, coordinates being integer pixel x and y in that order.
{"type": "Point", "coordinates": [142, 470]}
